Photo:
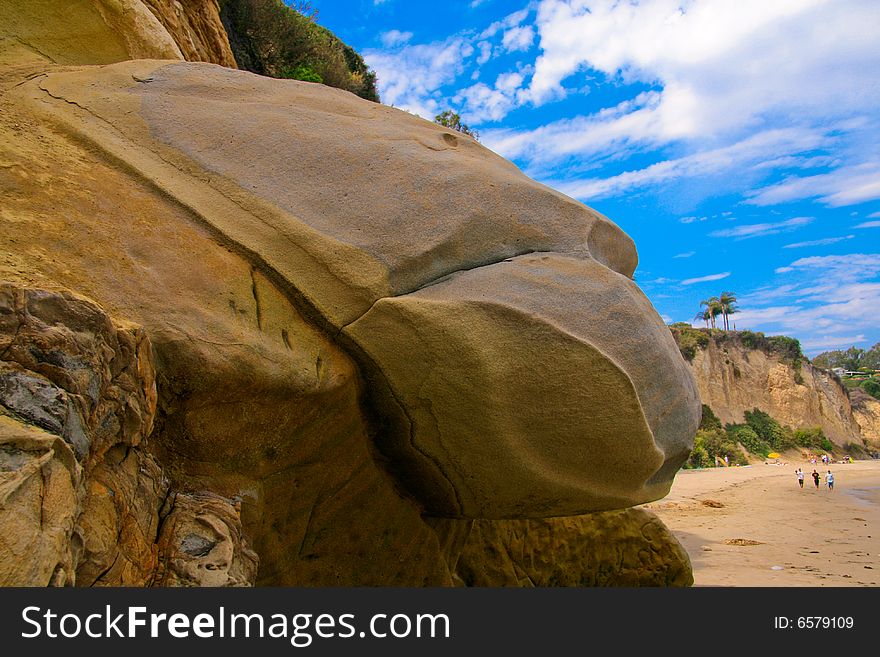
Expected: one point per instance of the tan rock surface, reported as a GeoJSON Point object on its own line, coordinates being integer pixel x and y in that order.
{"type": "Point", "coordinates": [39, 478]}
{"type": "Point", "coordinates": [866, 411]}
{"type": "Point", "coordinates": [499, 414]}
{"type": "Point", "coordinates": [612, 548]}
{"type": "Point", "coordinates": [356, 252]}
{"type": "Point", "coordinates": [84, 31]}
{"type": "Point", "coordinates": [196, 29]}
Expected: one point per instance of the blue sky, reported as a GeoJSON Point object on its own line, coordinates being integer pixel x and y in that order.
{"type": "Point", "coordinates": [736, 142]}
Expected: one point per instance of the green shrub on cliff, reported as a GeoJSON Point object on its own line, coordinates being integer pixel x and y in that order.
{"type": "Point", "coordinates": [269, 38]}
{"type": "Point", "coordinates": [709, 444]}
{"type": "Point", "coordinates": [689, 339]}
{"type": "Point", "coordinates": [769, 430]}
{"type": "Point", "coordinates": [709, 421]}
{"type": "Point", "coordinates": [871, 386]}
{"type": "Point", "coordinates": [746, 436]}
{"type": "Point", "coordinates": [813, 438]}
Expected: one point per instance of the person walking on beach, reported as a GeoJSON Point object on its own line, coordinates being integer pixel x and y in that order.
{"type": "Point", "coordinates": [816, 479]}
{"type": "Point", "coordinates": [829, 479]}
{"type": "Point", "coordinates": [800, 476]}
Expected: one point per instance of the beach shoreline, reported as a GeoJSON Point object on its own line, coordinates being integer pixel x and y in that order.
{"type": "Point", "coordinates": [754, 526]}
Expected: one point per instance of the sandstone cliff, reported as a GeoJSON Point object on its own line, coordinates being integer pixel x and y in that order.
{"type": "Point", "coordinates": [106, 31]}
{"type": "Point", "coordinates": [262, 331]}
{"type": "Point", "coordinates": [196, 29]}
{"type": "Point", "coordinates": [734, 378]}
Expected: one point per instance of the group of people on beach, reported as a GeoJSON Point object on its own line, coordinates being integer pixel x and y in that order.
{"type": "Point", "coordinates": [829, 478]}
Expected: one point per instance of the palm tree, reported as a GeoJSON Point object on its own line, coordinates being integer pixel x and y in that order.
{"type": "Point", "coordinates": [713, 308]}
{"type": "Point", "coordinates": [726, 301]}
{"type": "Point", "coordinates": [703, 316]}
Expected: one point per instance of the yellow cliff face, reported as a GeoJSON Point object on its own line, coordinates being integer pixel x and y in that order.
{"type": "Point", "coordinates": [108, 31]}
{"type": "Point", "coordinates": [733, 379]}
{"type": "Point", "coordinates": [866, 410]}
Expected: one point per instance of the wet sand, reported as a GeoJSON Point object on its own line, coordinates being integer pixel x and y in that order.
{"type": "Point", "coordinates": [754, 526]}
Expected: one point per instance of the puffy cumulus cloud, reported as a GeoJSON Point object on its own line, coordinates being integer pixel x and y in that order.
{"type": "Point", "coordinates": [720, 64]}
{"type": "Point", "coordinates": [725, 76]}
{"type": "Point", "coordinates": [518, 39]}
{"type": "Point", "coordinates": [411, 75]}
{"type": "Point", "coordinates": [393, 38]}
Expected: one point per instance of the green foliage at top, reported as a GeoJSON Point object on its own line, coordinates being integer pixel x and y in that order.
{"type": "Point", "coordinates": [780, 345]}
{"type": "Point", "coordinates": [689, 339]}
{"type": "Point", "coordinates": [269, 38]}
{"type": "Point", "coordinates": [853, 359]}
{"type": "Point", "coordinates": [450, 119]}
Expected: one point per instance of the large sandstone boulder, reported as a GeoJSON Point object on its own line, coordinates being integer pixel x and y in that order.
{"type": "Point", "coordinates": [357, 318]}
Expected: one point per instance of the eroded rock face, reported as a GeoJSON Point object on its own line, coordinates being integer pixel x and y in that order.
{"type": "Point", "coordinates": [441, 301]}
{"type": "Point", "coordinates": [614, 548]}
{"type": "Point", "coordinates": [196, 29]}
{"type": "Point", "coordinates": [80, 495]}
{"type": "Point", "coordinates": [203, 545]}
{"type": "Point", "coordinates": [356, 318]}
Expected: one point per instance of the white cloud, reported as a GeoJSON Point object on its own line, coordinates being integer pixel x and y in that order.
{"type": "Point", "coordinates": [826, 342]}
{"type": "Point", "coordinates": [687, 254]}
{"type": "Point", "coordinates": [844, 186]}
{"type": "Point", "coordinates": [485, 55]}
{"type": "Point", "coordinates": [410, 75]}
{"type": "Point", "coordinates": [506, 23]}
{"type": "Point", "coordinates": [720, 63]}
{"type": "Point", "coordinates": [869, 224]}
{"type": "Point", "coordinates": [518, 38]}
{"type": "Point", "coordinates": [874, 215]}
{"type": "Point", "coordinates": [759, 230]}
{"type": "Point", "coordinates": [707, 163]}
{"type": "Point", "coordinates": [822, 242]}
{"type": "Point", "coordinates": [703, 279]}
{"type": "Point", "coordinates": [393, 38]}
{"type": "Point", "coordinates": [826, 300]}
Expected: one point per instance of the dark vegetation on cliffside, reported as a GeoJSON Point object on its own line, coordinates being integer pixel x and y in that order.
{"type": "Point", "coordinates": [690, 340]}
{"type": "Point", "coordinates": [270, 38]}
{"type": "Point", "coordinates": [866, 364]}
{"type": "Point", "coordinates": [758, 436]}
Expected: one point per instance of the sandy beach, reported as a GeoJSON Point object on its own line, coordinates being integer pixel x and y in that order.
{"type": "Point", "coordinates": [754, 526]}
